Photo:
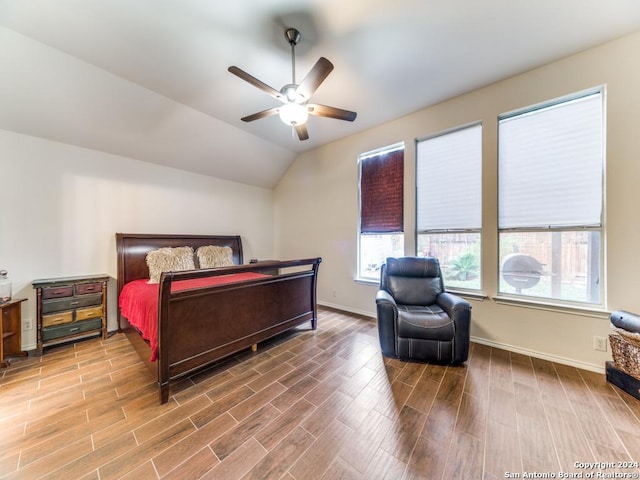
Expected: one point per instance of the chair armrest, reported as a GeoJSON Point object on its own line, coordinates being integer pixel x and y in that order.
{"type": "Point", "coordinates": [458, 309]}
{"type": "Point", "coordinates": [383, 297]}
{"type": "Point", "coordinates": [387, 315]}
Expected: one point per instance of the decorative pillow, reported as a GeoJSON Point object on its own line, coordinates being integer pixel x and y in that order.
{"type": "Point", "coordinates": [168, 259]}
{"type": "Point", "coordinates": [214, 257]}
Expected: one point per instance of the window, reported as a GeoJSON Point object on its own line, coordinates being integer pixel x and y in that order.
{"type": "Point", "coordinates": [550, 187]}
{"type": "Point", "coordinates": [381, 209]}
{"type": "Point", "coordinates": [449, 203]}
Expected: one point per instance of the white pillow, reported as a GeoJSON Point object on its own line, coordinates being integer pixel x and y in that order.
{"type": "Point", "coordinates": [214, 257]}
{"type": "Point", "coordinates": [168, 259]}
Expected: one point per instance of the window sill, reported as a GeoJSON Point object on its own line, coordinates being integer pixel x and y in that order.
{"type": "Point", "coordinates": [470, 294]}
{"type": "Point", "coordinates": [367, 281]}
{"type": "Point", "coordinates": [586, 311]}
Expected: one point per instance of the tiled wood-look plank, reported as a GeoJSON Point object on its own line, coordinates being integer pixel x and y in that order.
{"type": "Point", "coordinates": [538, 454]}
{"type": "Point", "coordinates": [143, 472]}
{"type": "Point", "coordinates": [427, 460]}
{"type": "Point", "coordinates": [440, 422]}
{"type": "Point", "coordinates": [227, 443]}
{"type": "Point", "coordinates": [150, 429]}
{"type": "Point", "coordinates": [273, 433]}
{"type": "Point", "coordinates": [283, 401]}
{"type": "Point", "coordinates": [220, 406]}
{"type": "Point", "coordinates": [256, 401]}
{"type": "Point", "coordinates": [92, 461]}
{"type": "Point", "coordinates": [238, 463]}
{"type": "Point", "coordinates": [194, 442]}
{"type": "Point", "coordinates": [318, 421]}
{"type": "Point", "coordinates": [282, 456]}
{"type": "Point", "coordinates": [359, 409]}
{"type": "Point", "coordinates": [405, 433]}
{"type": "Point", "coordinates": [142, 453]}
{"type": "Point", "coordinates": [465, 457]}
{"type": "Point", "coordinates": [367, 439]}
{"type": "Point", "coordinates": [385, 465]}
{"type": "Point", "coordinates": [68, 453]}
{"type": "Point", "coordinates": [74, 429]}
{"type": "Point", "coordinates": [323, 404]}
{"type": "Point", "coordinates": [318, 457]}
{"type": "Point", "coordinates": [341, 470]}
{"type": "Point", "coordinates": [472, 415]}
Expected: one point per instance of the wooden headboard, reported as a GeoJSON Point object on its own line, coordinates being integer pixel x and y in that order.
{"type": "Point", "coordinates": [132, 249]}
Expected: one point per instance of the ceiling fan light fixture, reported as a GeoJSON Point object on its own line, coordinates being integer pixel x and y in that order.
{"type": "Point", "coordinates": [295, 96]}
{"type": "Point", "coordinates": [293, 114]}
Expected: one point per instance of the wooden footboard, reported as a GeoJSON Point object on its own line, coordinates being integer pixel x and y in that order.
{"type": "Point", "coordinates": [201, 326]}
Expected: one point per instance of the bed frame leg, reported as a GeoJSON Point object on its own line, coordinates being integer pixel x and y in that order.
{"type": "Point", "coordinates": [314, 323]}
{"type": "Point", "coordinates": [164, 393]}
{"type": "Point", "coordinates": [254, 347]}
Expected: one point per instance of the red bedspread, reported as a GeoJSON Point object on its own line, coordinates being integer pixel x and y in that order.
{"type": "Point", "coordinates": [139, 301]}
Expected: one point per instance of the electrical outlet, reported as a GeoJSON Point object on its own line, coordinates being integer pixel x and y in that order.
{"type": "Point", "coordinates": [334, 294]}
{"type": "Point", "coordinates": [28, 324]}
{"type": "Point", "coordinates": [600, 343]}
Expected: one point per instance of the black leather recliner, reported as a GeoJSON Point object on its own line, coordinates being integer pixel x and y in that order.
{"type": "Point", "coordinates": [417, 319]}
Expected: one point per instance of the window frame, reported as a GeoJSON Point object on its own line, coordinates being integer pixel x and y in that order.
{"type": "Point", "coordinates": [551, 302]}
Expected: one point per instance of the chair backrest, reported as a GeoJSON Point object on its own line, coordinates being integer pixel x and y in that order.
{"type": "Point", "coordinates": [412, 280]}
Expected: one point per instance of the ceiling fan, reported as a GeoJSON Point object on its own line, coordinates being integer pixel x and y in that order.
{"type": "Point", "coordinates": [295, 97]}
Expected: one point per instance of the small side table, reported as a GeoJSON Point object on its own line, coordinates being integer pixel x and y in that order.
{"type": "Point", "coordinates": [11, 330]}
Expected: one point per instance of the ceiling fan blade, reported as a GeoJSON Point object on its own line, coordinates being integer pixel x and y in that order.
{"type": "Point", "coordinates": [314, 78]}
{"type": "Point", "coordinates": [301, 130]}
{"type": "Point", "coordinates": [259, 115]}
{"type": "Point", "coordinates": [255, 82]}
{"type": "Point", "coordinates": [331, 112]}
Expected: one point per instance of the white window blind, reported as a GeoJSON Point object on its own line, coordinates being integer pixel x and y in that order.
{"type": "Point", "coordinates": [551, 166]}
{"type": "Point", "coordinates": [448, 181]}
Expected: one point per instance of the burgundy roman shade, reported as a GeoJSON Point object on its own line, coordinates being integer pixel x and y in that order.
{"type": "Point", "coordinates": [382, 193]}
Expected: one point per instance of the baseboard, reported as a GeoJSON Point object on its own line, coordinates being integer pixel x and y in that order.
{"type": "Point", "coordinates": [541, 355]}
{"type": "Point", "coordinates": [347, 309]}
{"type": "Point", "coordinates": [502, 346]}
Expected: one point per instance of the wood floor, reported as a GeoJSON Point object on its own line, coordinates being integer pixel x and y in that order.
{"type": "Point", "coordinates": [321, 404]}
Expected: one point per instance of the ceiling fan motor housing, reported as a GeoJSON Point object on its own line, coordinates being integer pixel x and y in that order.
{"type": "Point", "coordinates": [292, 35]}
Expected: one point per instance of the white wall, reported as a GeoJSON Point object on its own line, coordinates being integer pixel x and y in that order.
{"type": "Point", "coordinates": [61, 205]}
{"type": "Point", "coordinates": [316, 202]}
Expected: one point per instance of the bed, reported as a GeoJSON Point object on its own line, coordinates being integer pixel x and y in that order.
{"type": "Point", "coordinates": [209, 318]}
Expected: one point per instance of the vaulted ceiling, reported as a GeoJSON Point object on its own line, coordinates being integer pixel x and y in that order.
{"type": "Point", "coordinates": [148, 79]}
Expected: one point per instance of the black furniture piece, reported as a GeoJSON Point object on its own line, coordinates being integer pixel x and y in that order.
{"type": "Point", "coordinates": [624, 371]}
{"type": "Point", "coordinates": [417, 319]}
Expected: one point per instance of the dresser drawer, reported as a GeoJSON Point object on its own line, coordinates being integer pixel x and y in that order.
{"type": "Point", "coordinates": [57, 319]}
{"type": "Point", "coordinates": [74, 328]}
{"type": "Point", "coordinates": [87, 313]}
{"type": "Point", "coordinates": [85, 288]}
{"type": "Point", "coordinates": [69, 303]}
{"type": "Point", "coordinates": [57, 292]}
